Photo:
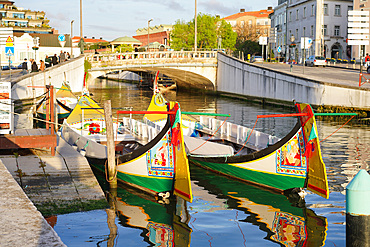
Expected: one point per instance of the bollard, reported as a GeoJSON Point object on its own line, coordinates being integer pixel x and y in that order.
{"type": "Point", "coordinates": [112, 172]}
{"type": "Point", "coordinates": [358, 210]}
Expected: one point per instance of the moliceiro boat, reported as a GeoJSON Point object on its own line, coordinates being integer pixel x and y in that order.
{"type": "Point", "coordinates": [148, 159]}
{"type": "Point", "coordinates": [65, 100]}
{"type": "Point", "coordinates": [283, 165]}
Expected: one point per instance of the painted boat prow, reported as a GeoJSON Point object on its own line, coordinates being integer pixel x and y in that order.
{"type": "Point", "coordinates": [182, 173]}
{"type": "Point", "coordinates": [316, 178]}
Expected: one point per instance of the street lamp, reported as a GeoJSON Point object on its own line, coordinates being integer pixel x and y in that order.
{"type": "Point", "coordinates": [292, 38]}
{"type": "Point", "coordinates": [195, 28]}
{"type": "Point", "coordinates": [35, 45]}
{"type": "Point", "coordinates": [147, 49]}
{"type": "Point", "coordinates": [71, 38]}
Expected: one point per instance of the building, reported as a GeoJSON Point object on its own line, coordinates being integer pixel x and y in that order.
{"type": "Point", "coordinates": [23, 20]}
{"type": "Point", "coordinates": [360, 5]}
{"type": "Point", "coordinates": [322, 21]}
{"type": "Point", "coordinates": [125, 41]}
{"type": "Point", "coordinates": [160, 34]}
{"type": "Point", "coordinates": [251, 24]}
{"type": "Point", "coordinates": [279, 45]}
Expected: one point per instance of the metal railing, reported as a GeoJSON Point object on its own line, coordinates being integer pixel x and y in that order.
{"type": "Point", "coordinates": [154, 56]}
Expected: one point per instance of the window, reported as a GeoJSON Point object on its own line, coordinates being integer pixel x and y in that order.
{"type": "Point", "coordinates": [250, 23]}
{"type": "Point", "coordinates": [297, 14]}
{"type": "Point", "coordinates": [313, 9]}
{"type": "Point", "coordinates": [337, 10]}
{"type": "Point", "coordinates": [325, 9]}
{"type": "Point", "coordinates": [311, 30]}
{"type": "Point", "coordinates": [17, 15]}
{"type": "Point", "coordinates": [304, 12]}
{"type": "Point", "coordinates": [336, 30]}
{"type": "Point", "coordinates": [1, 6]}
{"type": "Point", "coordinates": [325, 30]}
{"type": "Point", "coordinates": [242, 23]}
{"type": "Point", "coordinates": [350, 8]}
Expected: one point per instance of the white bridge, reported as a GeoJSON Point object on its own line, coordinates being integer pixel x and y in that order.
{"type": "Point", "coordinates": [188, 68]}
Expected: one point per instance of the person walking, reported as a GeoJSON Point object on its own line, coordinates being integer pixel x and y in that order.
{"type": "Point", "coordinates": [24, 67]}
{"type": "Point", "coordinates": [47, 61]}
{"type": "Point", "coordinates": [42, 65]}
{"type": "Point", "coordinates": [62, 57]}
{"type": "Point", "coordinates": [34, 67]}
{"type": "Point", "coordinates": [54, 60]}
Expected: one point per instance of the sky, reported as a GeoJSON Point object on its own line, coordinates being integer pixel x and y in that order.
{"type": "Point", "coordinates": [112, 19]}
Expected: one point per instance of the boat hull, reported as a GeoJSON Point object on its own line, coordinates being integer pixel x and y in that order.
{"type": "Point", "coordinates": [278, 167]}
{"type": "Point", "coordinates": [269, 180]}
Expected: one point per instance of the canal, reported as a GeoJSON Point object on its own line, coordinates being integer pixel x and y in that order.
{"type": "Point", "coordinates": [224, 212]}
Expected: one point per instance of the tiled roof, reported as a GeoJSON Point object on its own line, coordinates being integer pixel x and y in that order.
{"type": "Point", "coordinates": [260, 13]}
{"type": "Point", "coordinates": [76, 39]}
{"type": "Point", "coordinates": [47, 39]}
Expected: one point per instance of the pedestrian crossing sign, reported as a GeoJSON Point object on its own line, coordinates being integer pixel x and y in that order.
{"type": "Point", "coordinates": [9, 51]}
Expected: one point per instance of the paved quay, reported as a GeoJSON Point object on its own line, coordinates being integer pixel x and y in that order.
{"type": "Point", "coordinates": [51, 185]}
{"type": "Point", "coordinates": [339, 75]}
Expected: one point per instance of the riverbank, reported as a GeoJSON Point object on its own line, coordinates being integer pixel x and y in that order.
{"type": "Point", "coordinates": [38, 185]}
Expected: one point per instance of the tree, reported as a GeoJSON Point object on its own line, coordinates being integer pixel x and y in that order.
{"type": "Point", "coordinates": [246, 31]}
{"type": "Point", "coordinates": [248, 47]}
{"type": "Point", "coordinates": [124, 48]}
{"type": "Point", "coordinates": [228, 36]}
{"type": "Point", "coordinates": [180, 36]}
{"type": "Point", "coordinates": [209, 28]}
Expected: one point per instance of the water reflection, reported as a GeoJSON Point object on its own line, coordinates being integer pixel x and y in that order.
{"type": "Point", "coordinates": [161, 224]}
{"type": "Point", "coordinates": [288, 223]}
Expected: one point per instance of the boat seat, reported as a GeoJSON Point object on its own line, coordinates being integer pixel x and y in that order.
{"type": "Point", "coordinates": [209, 148]}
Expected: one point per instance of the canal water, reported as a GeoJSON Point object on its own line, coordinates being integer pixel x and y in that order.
{"type": "Point", "coordinates": [224, 212]}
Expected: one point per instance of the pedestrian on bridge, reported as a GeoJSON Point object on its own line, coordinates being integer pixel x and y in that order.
{"type": "Point", "coordinates": [54, 60]}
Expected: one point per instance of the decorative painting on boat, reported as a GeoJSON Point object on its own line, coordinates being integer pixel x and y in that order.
{"type": "Point", "coordinates": [161, 162]}
{"type": "Point", "coordinates": [160, 234]}
{"type": "Point", "coordinates": [290, 158]}
{"type": "Point", "coordinates": [289, 229]}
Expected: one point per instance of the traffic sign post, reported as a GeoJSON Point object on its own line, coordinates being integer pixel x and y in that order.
{"type": "Point", "coordinates": [9, 51]}
{"type": "Point", "coordinates": [62, 40]}
{"type": "Point", "coordinates": [358, 31]}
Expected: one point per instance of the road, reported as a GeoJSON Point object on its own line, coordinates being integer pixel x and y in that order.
{"type": "Point", "coordinates": [334, 75]}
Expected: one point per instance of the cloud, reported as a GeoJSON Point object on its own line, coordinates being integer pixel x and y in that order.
{"type": "Point", "coordinates": [173, 5]}
{"type": "Point", "coordinates": [217, 7]}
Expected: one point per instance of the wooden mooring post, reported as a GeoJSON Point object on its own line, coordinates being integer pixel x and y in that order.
{"type": "Point", "coordinates": [112, 174]}
{"type": "Point", "coordinates": [358, 210]}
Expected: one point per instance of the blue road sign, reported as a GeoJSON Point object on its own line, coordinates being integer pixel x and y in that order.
{"type": "Point", "coordinates": [9, 51]}
{"type": "Point", "coordinates": [61, 37]}
{"type": "Point", "coordinates": [279, 49]}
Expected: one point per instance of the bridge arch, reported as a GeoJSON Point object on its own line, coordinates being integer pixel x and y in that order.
{"type": "Point", "coordinates": [188, 69]}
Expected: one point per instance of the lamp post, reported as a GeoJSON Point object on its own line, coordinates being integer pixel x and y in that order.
{"type": "Point", "coordinates": [292, 38]}
{"type": "Point", "coordinates": [81, 34]}
{"type": "Point", "coordinates": [195, 28]}
{"type": "Point", "coordinates": [71, 38]}
{"type": "Point", "coordinates": [147, 49]}
{"type": "Point", "coordinates": [35, 45]}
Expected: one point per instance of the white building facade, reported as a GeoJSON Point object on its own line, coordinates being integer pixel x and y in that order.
{"type": "Point", "coordinates": [304, 19]}
{"type": "Point", "coordinates": [279, 27]}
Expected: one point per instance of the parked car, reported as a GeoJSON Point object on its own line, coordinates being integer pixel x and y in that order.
{"type": "Point", "coordinates": [315, 61]}
{"type": "Point", "coordinates": [257, 59]}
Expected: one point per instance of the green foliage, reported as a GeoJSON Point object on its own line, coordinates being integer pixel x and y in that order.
{"type": "Point", "coordinates": [225, 31]}
{"type": "Point", "coordinates": [124, 48]}
{"type": "Point", "coordinates": [248, 47]}
{"type": "Point", "coordinates": [209, 28]}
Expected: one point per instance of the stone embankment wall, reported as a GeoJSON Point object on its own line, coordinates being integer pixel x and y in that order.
{"type": "Point", "coordinates": [248, 80]}
{"type": "Point", "coordinates": [23, 87]}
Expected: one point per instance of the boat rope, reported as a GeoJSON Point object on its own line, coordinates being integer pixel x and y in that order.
{"type": "Point", "coordinates": [249, 135]}
{"type": "Point", "coordinates": [337, 129]}
{"type": "Point", "coordinates": [210, 136]}
{"type": "Point", "coordinates": [105, 168]}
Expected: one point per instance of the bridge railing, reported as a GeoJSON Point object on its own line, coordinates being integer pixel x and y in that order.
{"type": "Point", "coordinates": [151, 56]}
